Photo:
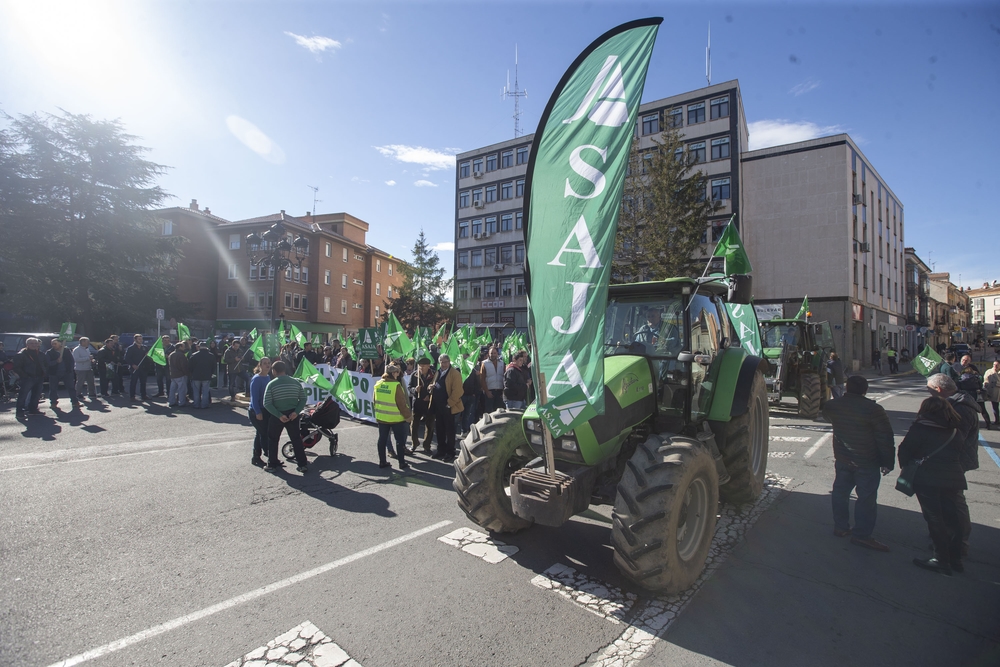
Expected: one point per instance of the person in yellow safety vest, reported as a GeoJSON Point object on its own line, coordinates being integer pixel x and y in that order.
{"type": "Point", "coordinates": [392, 414]}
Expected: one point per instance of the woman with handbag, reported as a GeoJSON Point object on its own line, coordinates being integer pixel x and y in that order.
{"type": "Point", "coordinates": [929, 457]}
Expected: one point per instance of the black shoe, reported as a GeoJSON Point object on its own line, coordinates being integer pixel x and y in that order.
{"type": "Point", "coordinates": [34, 412]}
{"type": "Point", "coordinates": [258, 462]}
{"type": "Point", "coordinates": [21, 415]}
{"type": "Point", "coordinates": [404, 466]}
{"type": "Point", "coordinates": [274, 467]}
{"type": "Point", "coordinates": [302, 468]}
{"type": "Point", "coordinates": [957, 566]}
{"type": "Point", "coordinates": [934, 565]}
{"type": "Point", "coordinates": [384, 465]}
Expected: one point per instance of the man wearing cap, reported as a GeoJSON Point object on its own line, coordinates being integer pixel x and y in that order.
{"type": "Point", "coordinates": [392, 414]}
{"type": "Point", "coordinates": [420, 386]}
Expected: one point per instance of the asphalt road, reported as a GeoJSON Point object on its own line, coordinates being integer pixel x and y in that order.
{"type": "Point", "coordinates": [134, 536]}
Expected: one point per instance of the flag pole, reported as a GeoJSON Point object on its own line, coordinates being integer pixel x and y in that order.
{"type": "Point", "coordinates": [708, 265]}
{"type": "Point", "coordinates": [543, 398]}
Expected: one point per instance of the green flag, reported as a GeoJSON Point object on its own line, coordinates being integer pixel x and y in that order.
{"type": "Point", "coordinates": [253, 334]}
{"type": "Point", "coordinates": [575, 180]}
{"type": "Point", "coordinates": [927, 361]}
{"type": "Point", "coordinates": [183, 333]}
{"type": "Point", "coordinates": [397, 343]}
{"type": "Point", "coordinates": [258, 348]}
{"type": "Point", "coordinates": [568, 411]}
{"type": "Point", "coordinates": [453, 350]}
{"type": "Point", "coordinates": [349, 344]}
{"type": "Point", "coordinates": [343, 391]}
{"type": "Point", "coordinates": [744, 319]}
{"type": "Point", "coordinates": [66, 331]}
{"type": "Point", "coordinates": [157, 354]}
{"type": "Point", "coordinates": [272, 346]}
{"type": "Point", "coordinates": [297, 335]}
{"type": "Point", "coordinates": [442, 332]}
{"type": "Point", "coordinates": [309, 374]}
{"type": "Point", "coordinates": [731, 249]}
{"type": "Point", "coordinates": [803, 310]}
{"type": "Point", "coordinates": [317, 339]}
{"type": "Point", "coordinates": [368, 342]}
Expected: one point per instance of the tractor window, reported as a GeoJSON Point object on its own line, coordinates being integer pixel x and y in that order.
{"type": "Point", "coordinates": [650, 327]}
{"type": "Point", "coordinates": [824, 336]}
{"type": "Point", "coordinates": [777, 335]}
{"type": "Point", "coordinates": [706, 339]}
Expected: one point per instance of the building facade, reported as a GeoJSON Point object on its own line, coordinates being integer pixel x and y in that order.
{"type": "Point", "coordinates": [489, 229]}
{"type": "Point", "coordinates": [949, 311]}
{"type": "Point", "coordinates": [984, 304]}
{"type": "Point", "coordinates": [919, 324]}
{"type": "Point", "coordinates": [819, 221]}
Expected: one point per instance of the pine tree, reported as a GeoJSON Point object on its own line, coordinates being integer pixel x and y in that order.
{"type": "Point", "coordinates": [664, 213]}
{"type": "Point", "coordinates": [422, 301]}
{"type": "Point", "coordinates": [80, 243]}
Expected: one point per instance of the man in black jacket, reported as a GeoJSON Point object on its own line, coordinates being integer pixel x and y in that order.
{"type": "Point", "coordinates": [863, 447]}
{"type": "Point", "coordinates": [29, 364]}
{"type": "Point", "coordinates": [941, 384]}
{"type": "Point", "coordinates": [135, 359]}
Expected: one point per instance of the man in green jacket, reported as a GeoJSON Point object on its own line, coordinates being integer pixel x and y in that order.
{"type": "Point", "coordinates": [284, 398]}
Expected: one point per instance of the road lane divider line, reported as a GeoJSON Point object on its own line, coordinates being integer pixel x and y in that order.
{"type": "Point", "coordinates": [93, 450]}
{"type": "Point", "coordinates": [124, 454]}
{"type": "Point", "coordinates": [819, 443]}
{"type": "Point", "coordinates": [780, 455]}
{"type": "Point", "coordinates": [990, 451]}
{"type": "Point", "coordinates": [125, 642]}
{"type": "Point", "coordinates": [789, 438]}
{"type": "Point", "coordinates": [479, 545]}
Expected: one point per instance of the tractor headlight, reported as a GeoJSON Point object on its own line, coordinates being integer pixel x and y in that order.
{"type": "Point", "coordinates": [569, 445]}
{"type": "Point", "coordinates": [535, 439]}
{"type": "Point", "coordinates": [531, 425]}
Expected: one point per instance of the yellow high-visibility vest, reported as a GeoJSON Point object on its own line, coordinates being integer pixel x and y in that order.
{"type": "Point", "coordinates": [386, 410]}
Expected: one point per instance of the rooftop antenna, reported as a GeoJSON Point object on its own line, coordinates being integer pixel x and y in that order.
{"type": "Point", "coordinates": [517, 94]}
{"type": "Point", "coordinates": [315, 191]}
{"type": "Point", "coordinates": [708, 56]}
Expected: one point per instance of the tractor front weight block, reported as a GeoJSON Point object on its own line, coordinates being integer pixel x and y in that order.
{"type": "Point", "coordinates": [535, 496]}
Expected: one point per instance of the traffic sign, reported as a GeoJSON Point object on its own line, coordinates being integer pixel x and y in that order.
{"type": "Point", "coordinates": [159, 314]}
{"type": "Point", "coordinates": [910, 327]}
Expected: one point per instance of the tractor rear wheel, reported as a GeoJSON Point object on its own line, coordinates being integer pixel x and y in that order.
{"type": "Point", "coordinates": [809, 395]}
{"type": "Point", "coordinates": [743, 444]}
{"type": "Point", "coordinates": [487, 459]}
{"type": "Point", "coordinates": [664, 516]}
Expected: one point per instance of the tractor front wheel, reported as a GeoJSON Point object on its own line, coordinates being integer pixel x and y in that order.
{"type": "Point", "coordinates": [743, 444]}
{"type": "Point", "coordinates": [487, 459]}
{"type": "Point", "coordinates": [810, 390]}
{"type": "Point", "coordinates": [664, 516]}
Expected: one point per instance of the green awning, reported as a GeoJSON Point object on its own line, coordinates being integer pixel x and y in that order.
{"type": "Point", "coordinates": [241, 325]}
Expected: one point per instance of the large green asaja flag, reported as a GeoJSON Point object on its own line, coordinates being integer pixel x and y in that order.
{"type": "Point", "coordinates": [67, 331]}
{"type": "Point", "coordinates": [573, 194]}
{"type": "Point", "coordinates": [927, 361]}
{"type": "Point", "coordinates": [368, 341]}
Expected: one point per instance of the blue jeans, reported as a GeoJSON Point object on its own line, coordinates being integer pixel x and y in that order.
{"type": "Point", "coordinates": [29, 394]}
{"type": "Point", "coordinates": [399, 431]}
{"type": "Point", "coordinates": [178, 391]}
{"type": "Point", "coordinates": [469, 404]}
{"type": "Point", "coordinates": [202, 397]}
{"type": "Point", "coordinates": [68, 382]}
{"type": "Point", "coordinates": [233, 376]}
{"type": "Point", "coordinates": [515, 405]}
{"type": "Point", "coordinates": [865, 481]}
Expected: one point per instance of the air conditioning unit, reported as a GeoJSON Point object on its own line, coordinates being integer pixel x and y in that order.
{"type": "Point", "coordinates": [865, 247]}
{"type": "Point", "coordinates": [478, 203]}
{"type": "Point", "coordinates": [486, 235]}
{"type": "Point", "coordinates": [498, 267]}
{"type": "Point", "coordinates": [477, 174]}
{"type": "Point", "coordinates": [859, 200]}
{"type": "Point", "coordinates": [477, 236]}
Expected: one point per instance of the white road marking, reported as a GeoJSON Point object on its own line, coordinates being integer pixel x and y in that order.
{"type": "Point", "coordinates": [653, 621]}
{"type": "Point", "coordinates": [241, 599]}
{"type": "Point", "coordinates": [305, 645]}
{"type": "Point", "coordinates": [94, 450]}
{"type": "Point", "coordinates": [819, 443]}
{"type": "Point", "coordinates": [479, 545]}
{"type": "Point", "coordinates": [780, 455]}
{"type": "Point", "coordinates": [597, 598]}
{"type": "Point", "coordinates": [789, 438]}
{"type": "Point", "coordinates": [115, 456]}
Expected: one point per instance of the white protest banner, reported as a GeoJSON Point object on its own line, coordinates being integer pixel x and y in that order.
{"type": "Point", "coordinates": [364, 390]}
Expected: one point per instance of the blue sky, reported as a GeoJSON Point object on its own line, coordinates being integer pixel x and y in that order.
{"type": "Point", "coordinates": [249, 103]}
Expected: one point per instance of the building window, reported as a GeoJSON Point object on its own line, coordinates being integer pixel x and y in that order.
{"type": "Point", "coordinates": [477, 227]}
{"type": "Point", "coordinates": [305, 302]}
{"type": "Point", "coordinates": [720, 188]}
{"type": "Point", "coordinates": [519, 287]}
{"type": "Point", "coordinates": [491, 193]}
{"type": "Point", "coordinates": [463, 199]}
{"type": "Point", "coordinates": [463, 260]}
{"type": "Point", "coordinates": [506, 222]}
{"type": "Point", "coordinates": [519, 188]}
{"type": "Point", "coordinates": [234, 241]}
{"type": "Point", "coordinates": [378, 289]}
{"type": "Point", "coordinates": [232, 272]}
{"type": "Point", "coordinates": [288, 299]}
{"type": "Point", "coordinates": [296, 273]}
{"type": "Point", "coordinates": [262, 300]}
{"type": "Point", "coordinates": [720, 107]}
{"type": "Point", "coordinates": [506, 287]}
{"type": "Point", "coordinates": [491, 225]}
{"type": "Point", "coordinates": [343, 306]}
{"type": "Point", "coordinates": [522, 155]}
{"type": "Point", "coordinates": [697, 152]}
{"type": "Point", "coordinates": [328, 250]}
{"type": "Point", "coordinates": [305, 275]}
{"type": "Point", "coordinates": [390, 269]}
{"type": "Point", "coordinates": [490, 289]}
{"type": "Point", "coordinates": [855, 272]}
{"type": "Point", "coordinates": [343, 281]}
{"type": "Point", "coordinates": [378, 266]}
{"type": "Point", "coordinates": [518, 220]}
{"type": "Point", "coordinates": [477, 196]}
{"type": "Point", "coordinates": [490, 256]}
{"type": "Point", "coordinates": [696, 113]}
{"type": "Point", "coordinates": [358, 282]}
{"type": "Point", "coordinates": [463, 229]}
{"type": "Point", "coordinates": [231, 300]}
{"type": "Point", "coordinates": [519, 253]}
{"type": "Point", "coordinates": [295, 302]}
{"type": "Point", "coordinates": [477, 290]}
{"type": "Point", "coordinates": [506, 159]}
{"type": "Point", "coordinates": [506, 253]}
{"type": "Point", "coordinates": [167, 228]}
{"type": "Point", "coordinates": [376, 314]}
{"type": "Point", "coordinates": [651, 124]}
{"type": "Point", "coordinates": [389, 290]}
{"type": "Point", "coordinates": [491, 162]}
{"type": "Point", "coordinates": [253, 272]}
{"type": "Point", "coordinates": [463, 290]}
{"type": "Point", "coordinates": [326, 277]}
{"type": "Point", "coordinates": [675, 117]}
{"type": "Point", "coordinates": [507, 191]}
{"type": "Point", "coordinates": [326, 304]}
{"type": "Point", "coordinates": [477, 258]}
{"type": "Point", "coordinates": [477, 165]}
{"type": "Point", "coordinates": [345, 254]}
{"type": "Point", "coordinates": [718, 227]}
{"type": "Point", "coordinates": [358, 257]}
{"type": "Point", "coordinates": [464, 169]}
{"type": "Point", "coordinates": [252, 301]}
{"type": "Point", "coordinates": [720, 148]}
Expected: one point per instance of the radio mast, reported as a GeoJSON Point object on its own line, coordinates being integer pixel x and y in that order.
{"type": "Point", "coordinates": [517, 94]}
{"type": "Point", "coordinates": [315, 192]}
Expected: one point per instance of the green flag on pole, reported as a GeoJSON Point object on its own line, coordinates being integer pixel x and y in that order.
{"type": "Point", "coordinates": [343, 391]}
{"type": "Point", "coordinates": [574, 181]}
{"type": "Point", "coordinates": [183, 333]}
{"type": "Point", "coordinates": [927, 361]}
{"type": "Point", "coordinates": [157, 354]}
{"type": "Point", "coordinates": [298, 336]}
{"type": "Point", "coordinates": [67, 331]}
{"type": "Point", "coordinates": [349, 344]}
{"type": "Point", "coordinates": [442, 332]}
{"type": "Point", "coordinates": [803, 310]}
{"type": "Point", "coordinates": [730, 248]}
{"type": "Point", "coordinates": [397, 343]}
{"type": "Point", "coordinates": [258, 348]}
{"type": "Point", "coordinates": [253, 334]}
{"type": "Point", "coordinates": [744, 319]}
{"type": "Point", "coordinates": [308, 373]}
{"type": "Point", "coordinates": [317, 339]}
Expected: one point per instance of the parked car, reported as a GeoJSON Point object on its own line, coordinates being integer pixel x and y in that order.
{"type": "Point", "coordinates": [14, 342]}
{"type": "Point", "coordinates": [960, 349]}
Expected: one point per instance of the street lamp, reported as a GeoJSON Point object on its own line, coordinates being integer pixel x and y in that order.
{"type": "Point", "coordinates": [271, 250]}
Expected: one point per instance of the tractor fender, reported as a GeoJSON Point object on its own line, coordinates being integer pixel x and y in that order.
{"type": "Point", "coordinates": [735, 383]}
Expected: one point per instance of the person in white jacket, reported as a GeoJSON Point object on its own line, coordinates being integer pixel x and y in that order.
{"type": "Point", "coordinates": [991, 388]}
{"type": "Point", "coordinates": [84, 363]}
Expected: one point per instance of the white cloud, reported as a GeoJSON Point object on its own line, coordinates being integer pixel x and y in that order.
{"type": "Point", "coordinates": [427, 157]}
{"type": "Point", "coordinates": [804, 87]}
{"type": "Point", "coordinates": [316, 43]}
{"type": "Point", "coordinates": [251, 137]}
{"type": "Point", "coordinates": [424, 184]}
{"type": "Point", "coordinates": [358, 179]}
{"type": "Point", "coordinates": [390, 183]}
{"type": "Point", "coordinates": [767, 133]}
{"type": "Point", "coordinates": [444, 246]}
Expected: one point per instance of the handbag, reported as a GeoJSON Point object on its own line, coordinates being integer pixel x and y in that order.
{"type": "Point", "coordinates": [909, 472]}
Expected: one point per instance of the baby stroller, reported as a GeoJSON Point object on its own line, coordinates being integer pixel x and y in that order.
{"type": "Point", "coordinates": [8, 382]}
{"type": "Point", "coordinates": [314, 423]}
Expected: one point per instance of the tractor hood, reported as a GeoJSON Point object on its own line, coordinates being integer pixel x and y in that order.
{"type": "Point", "coordinates": [627, 378]}
{"type": "Point", "coordinates": [772, 352]}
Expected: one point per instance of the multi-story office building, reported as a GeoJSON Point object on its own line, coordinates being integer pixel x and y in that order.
{"type": "Point", "coordinates": [985, 309]}
{"type": "Point", "coordinates": [489, 234]}
{"type": "Point", "coordinates": [918, 302]}
{"type": "Point", "coordinates": [818, 220]}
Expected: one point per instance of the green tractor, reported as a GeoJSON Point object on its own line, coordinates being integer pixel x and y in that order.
{"type": "Point", "coordinates": [796, 352]}
{"type": "Point", "coordinates": [685, 424]}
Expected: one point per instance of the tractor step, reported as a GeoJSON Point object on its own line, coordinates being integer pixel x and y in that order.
{"type": "Point", "coordinates": [536, 496]}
